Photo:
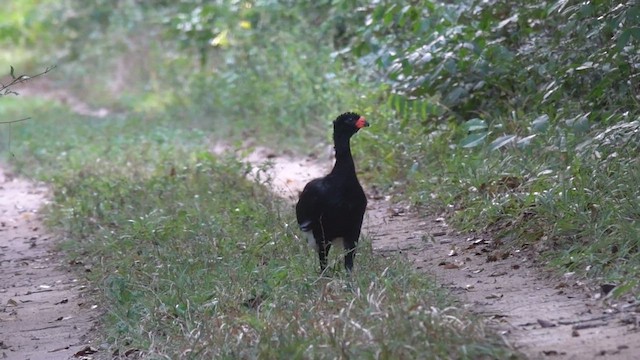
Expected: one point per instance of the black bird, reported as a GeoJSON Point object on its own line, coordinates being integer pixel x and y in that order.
{"type": "Point", "coordinates": [331, 209]}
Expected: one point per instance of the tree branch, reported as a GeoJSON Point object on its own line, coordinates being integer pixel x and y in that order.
{"type": "Point", "coordinates": [5, 88]}
{"type": "Point", "coordinates": [14, 121]}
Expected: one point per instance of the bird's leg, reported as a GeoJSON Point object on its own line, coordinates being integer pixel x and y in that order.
{"type": "Point", "coordinates": [323, 250]}
{"type": "Point", "coordinates": [350, 247]}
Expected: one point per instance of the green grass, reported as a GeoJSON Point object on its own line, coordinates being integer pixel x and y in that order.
{"type": "Point", "coordinates": [197, 262]}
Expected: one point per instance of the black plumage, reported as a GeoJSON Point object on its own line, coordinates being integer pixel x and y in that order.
{"type": "Point", "coordinates": [331, 209]}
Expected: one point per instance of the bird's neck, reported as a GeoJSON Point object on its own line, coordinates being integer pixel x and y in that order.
{"type": "Point", "coordinates": [344, 160]}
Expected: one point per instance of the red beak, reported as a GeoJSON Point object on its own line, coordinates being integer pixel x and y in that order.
{"type": "Point", "coordinates": [361, 122]}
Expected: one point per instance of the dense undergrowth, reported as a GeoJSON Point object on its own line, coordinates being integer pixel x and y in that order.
{"type": "Point", "coordinates": [195, 261]}
{"type": "Point", "coordinates": [517, 118]}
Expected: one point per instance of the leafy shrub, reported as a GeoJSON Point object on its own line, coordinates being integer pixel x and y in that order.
{"type": "Point", "coordinates": [487, 57]}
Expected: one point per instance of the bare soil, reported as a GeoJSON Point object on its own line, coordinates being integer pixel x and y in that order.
{"type": "Point", "coordinates": [542, 316]}
{"type": "Point", "coordinates": [45, 308]}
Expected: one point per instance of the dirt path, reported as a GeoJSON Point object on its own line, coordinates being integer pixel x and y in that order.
{"type": "Point", "coordinates": [45, 310]}
{"type": "Point", "coordinates": [542, 317]}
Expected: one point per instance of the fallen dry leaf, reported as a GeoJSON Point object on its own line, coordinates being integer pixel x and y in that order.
{"type": "Point", "coordinates": [561, 285]}
{"type": "Point", "coordinates": [498, 273]}
{"type": "Point", "coordinates": [116, 354]}
{"type": "Point", "coordinates": [397, 211]}
{"type": "Point", "coordinates": [87, 350]}
{"type": "Point", "coordinates": [59, 349]}
{"type": "Point", "coordinates": [546, 324]}
{"type": "Point", "coordinates": [498, 316]}
{"type": "Point", "coordinates": [450, 266]}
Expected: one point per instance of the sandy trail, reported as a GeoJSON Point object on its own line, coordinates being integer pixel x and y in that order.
{"type": "Point", "coordinates": [45, 309]}
{"type": "Point", "coordinates": [541, 316]}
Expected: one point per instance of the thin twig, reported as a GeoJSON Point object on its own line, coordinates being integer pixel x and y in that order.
{"type": "Point", "coordinates": [21, 79]}
{"type": "Point", "coordinates": [15, 121]}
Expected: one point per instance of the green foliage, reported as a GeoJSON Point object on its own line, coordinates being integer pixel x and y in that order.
{"type": "Point", "coordinates": [239, 68]}
{"type": "Point", "coordinates": [488, 57]}
{"type": "Point", "coordinates": [269, 72]}
{"type": "Point", "coordinates": [195, 261]}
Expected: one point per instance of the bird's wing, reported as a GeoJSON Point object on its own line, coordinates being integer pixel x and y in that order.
{"type": "Point", "coordinates": [311, 204]}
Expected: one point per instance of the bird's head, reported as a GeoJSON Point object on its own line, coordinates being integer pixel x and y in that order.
{"type": "Point", "coordinates": [349, 123]}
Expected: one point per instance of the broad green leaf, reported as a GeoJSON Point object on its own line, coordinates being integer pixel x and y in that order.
{"type": "Point", "coordinates": [580, 123]}
{"type": "Point", "coordinates": [557, 6]}
{"type": "Point", "coordinates": [403, 15]}
{"type": "Point", "coordinates": [525, 141]}
{"type": "Point", "coordinates": [378, 13]}
{"type": "Point", "coordinates": [585, 66]}
{"type": "Point", "coordinates": [453, 97]}
{"type": "Point", "coordinates": [474, 140]}
{"type": "Point", "coordinates": [398, 103]}
{"type": "Point", "coordinates": [540, 123]}
{"type": "Point", "coordinates": [623, 39]}
{"type": "Point", "coordinates": [389, 15]}
{"type": "Point", "coordinates": [407, 68]}
{"type": "Point", "coordinates": [549, 93]}
{"type": "Point", "coordinates": [502, 141]}
{"type": "Point", "coordinates": [475, 124]}
{"type": "Point", "coordinates": [586, 9]}
{"type": "Point", "coordinates": [506, 21]}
